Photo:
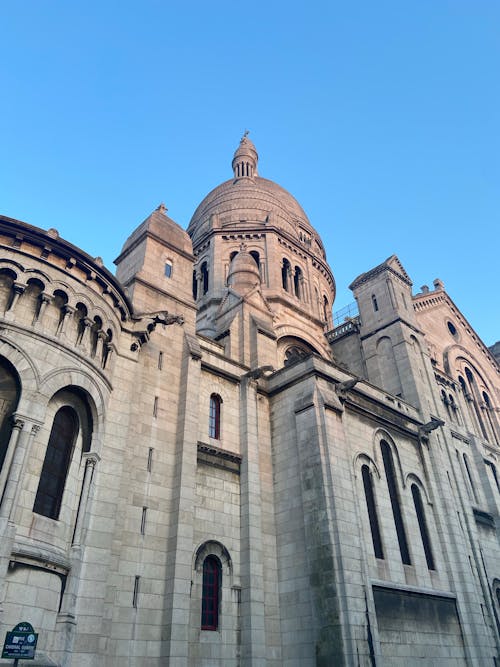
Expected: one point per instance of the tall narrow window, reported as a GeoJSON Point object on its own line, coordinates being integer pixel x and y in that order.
{"type": "Point", "coordinates": [168, 269]}
{"type": "Point", "coordinates": [143, 520]}
{"type": "Point", "coordinates": [472, 487]}
{"type": "Point", "coordinates": [325, 309]}
{"type": "Point", "coordinates": [204, 277]}
{"type": "Point", "coordinates": [374, 303]}
{"type": "Point", "coordinates": [195, 285]}
{"type": "Point", "coordinates": [56, 463]}
{"type": "Point", "coordinates": [493, 469]}
{"type": "Point", "coordinates": [297, 279]}
{"type": "Point", "coordinates": [424, 533]}
{"type": "Point", "coordinates": [372, 512]}
{"type": "Point", "coordinates": [285, 274]}
{"type": "Point", "coordinates": [210, 595]}
{"type": "Point", "coordinates": [135, 594]}
{"type": "Point", "coordinates": [150, 459]}
{"type": "Point", "coordinates": [396, 507]}
{"type": "Point", "coordinates": [214, 416]}
{"type": "Point", "coordinates": [9, 396]}
{"type": "Point", "coordinates": [473, 394]}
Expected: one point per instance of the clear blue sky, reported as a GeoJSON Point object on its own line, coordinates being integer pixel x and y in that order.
{"type": "Point", "coordinates": [382, 118]}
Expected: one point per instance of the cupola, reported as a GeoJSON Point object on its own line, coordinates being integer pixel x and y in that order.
{"type": "Point", "coordinates": [245, 159]}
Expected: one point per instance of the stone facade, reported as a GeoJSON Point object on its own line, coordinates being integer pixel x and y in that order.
{"type": "Point", "coordinates": [198, 469]}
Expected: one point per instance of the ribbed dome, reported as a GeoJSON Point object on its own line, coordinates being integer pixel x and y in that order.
{"type": "Point", "coordinates": [250, 199]}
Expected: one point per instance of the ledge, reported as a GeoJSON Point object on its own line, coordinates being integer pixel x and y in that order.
{"type": "Point", "coordinates": [219, 458]}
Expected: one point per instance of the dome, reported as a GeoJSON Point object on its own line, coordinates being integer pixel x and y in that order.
{"type": "Point", "coordinates": [253, 200]}
{"type": "Point", "coordinates": [243, 271]}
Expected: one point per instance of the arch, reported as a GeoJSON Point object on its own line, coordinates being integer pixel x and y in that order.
{"type": "Point", "coordinates": [72, 424]}
{"type": "Point", "coordinates": [24, 365]}
{"type": "Point", "coordinates": [395, 501]}
{"type": "Point", "coordinates": [7, 279]}
{"type": "Point", "coordinates": [216, 548]}
{"type": "Point", "coordinates": [63, 434]}
{"type": "Point", "coordinates": [10, 391]}
{"type": "Point", "coordinates": [363, 458]}
{"type": "Point", "coordinates": [214, 417]}
{"type": "Point", "coordinates": [294, 349]}
{"type": "Point", "coordinates": [412, 478]}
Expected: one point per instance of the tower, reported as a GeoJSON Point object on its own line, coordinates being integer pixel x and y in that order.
{"type": "Point", "coordinates": [295, 283]}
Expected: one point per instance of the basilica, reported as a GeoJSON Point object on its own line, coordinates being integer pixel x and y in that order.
{"type": "Point", "coordinates": [199, 468]}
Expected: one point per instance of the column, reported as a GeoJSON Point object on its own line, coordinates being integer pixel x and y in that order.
{"type": "Point", "coordinates": [253, 633]}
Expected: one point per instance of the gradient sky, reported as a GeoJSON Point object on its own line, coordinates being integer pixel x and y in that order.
{"type": "Point", "coordinates": [382, 119]}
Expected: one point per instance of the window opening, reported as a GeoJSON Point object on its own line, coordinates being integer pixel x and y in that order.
{"type": "Point", "coordinates": [143, 520]}
{"type": "Point", "coordinates": [56, 463]}
{"type": "Point", "coordinates": [396, 507]}
{"type": "Point", "coordinates": [168, 269]}
{"type": "Point", "coordinates": [372, 512]}
{"type": "Point", "coordinates": [285, 274]}
{"type": "Point", "coordinates": [325, 308]}
{"type": "Point", "coordinates": [135, 595]}
{"type": "Point", "coordinates": [214, 416]}
{"type": "Point", "coordinates": [150, 459]}
{"type": "Point", "coordinates": [204, 277]}
{"type": "Point", "coordinates": [469, 477]}
{"type": "Point", "coordinates": [424, 533]}
{"type": "Point", "coordinates": [374, 302]}
{"type": "Point", "coordinates": [493, 469]}
{"type": "Point", "coordinates": [155, 407]}
{"type": "Point", "coordinates": [195, 286]}
{"type": "Point", "coordinates": [297, 276]}
{"type": "Point", "coordinates": [210, 593]}
{"type": "Point", "coordinates": [160, 360]}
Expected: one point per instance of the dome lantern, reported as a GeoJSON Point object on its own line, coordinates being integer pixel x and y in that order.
{"type": "Point", "coordinates": [245, 159]}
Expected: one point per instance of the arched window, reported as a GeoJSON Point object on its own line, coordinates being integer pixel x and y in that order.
{"type": "Point", "coordinates": [204, 277]}
{"type": "Point", "coordinates": [473, 394]}
{"type": "Point", "coordinates": [285, 274]}
{"type": "Point", "coordinates": [195, 285]}
{"type": "Point", "coordinates": [168, 269]}
{"type": "Point", "coordinates": [94, 334]}
{"type": "Point", "coordinates": [472, 487]}
{"type": "Point", "coordinates": [325, 309]}
{"type": "Point", "coordinates": [210, 600]}
{"type": "Point", "coordinates": [374, 303]}
{"type": "Point", "coordinates": [419, 509]}
{"type": "Point", "coordinates": [372, 512]}
{"type": "Point", "coordinates": [493, 469]}
{"type": "Point", "coordinates": [297, 278]}
{"type": "Point", "coordinates": [9, 397]}
{"type": "Point", "coordinates": [396, 507]}
{"type": "Point", "coordinates": [56, 463]}
{"type": "Point", "coordinates": [214, 416]}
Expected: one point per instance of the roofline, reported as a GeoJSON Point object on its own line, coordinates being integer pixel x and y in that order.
{"type": "Point", "coordinates": [21, 231]}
